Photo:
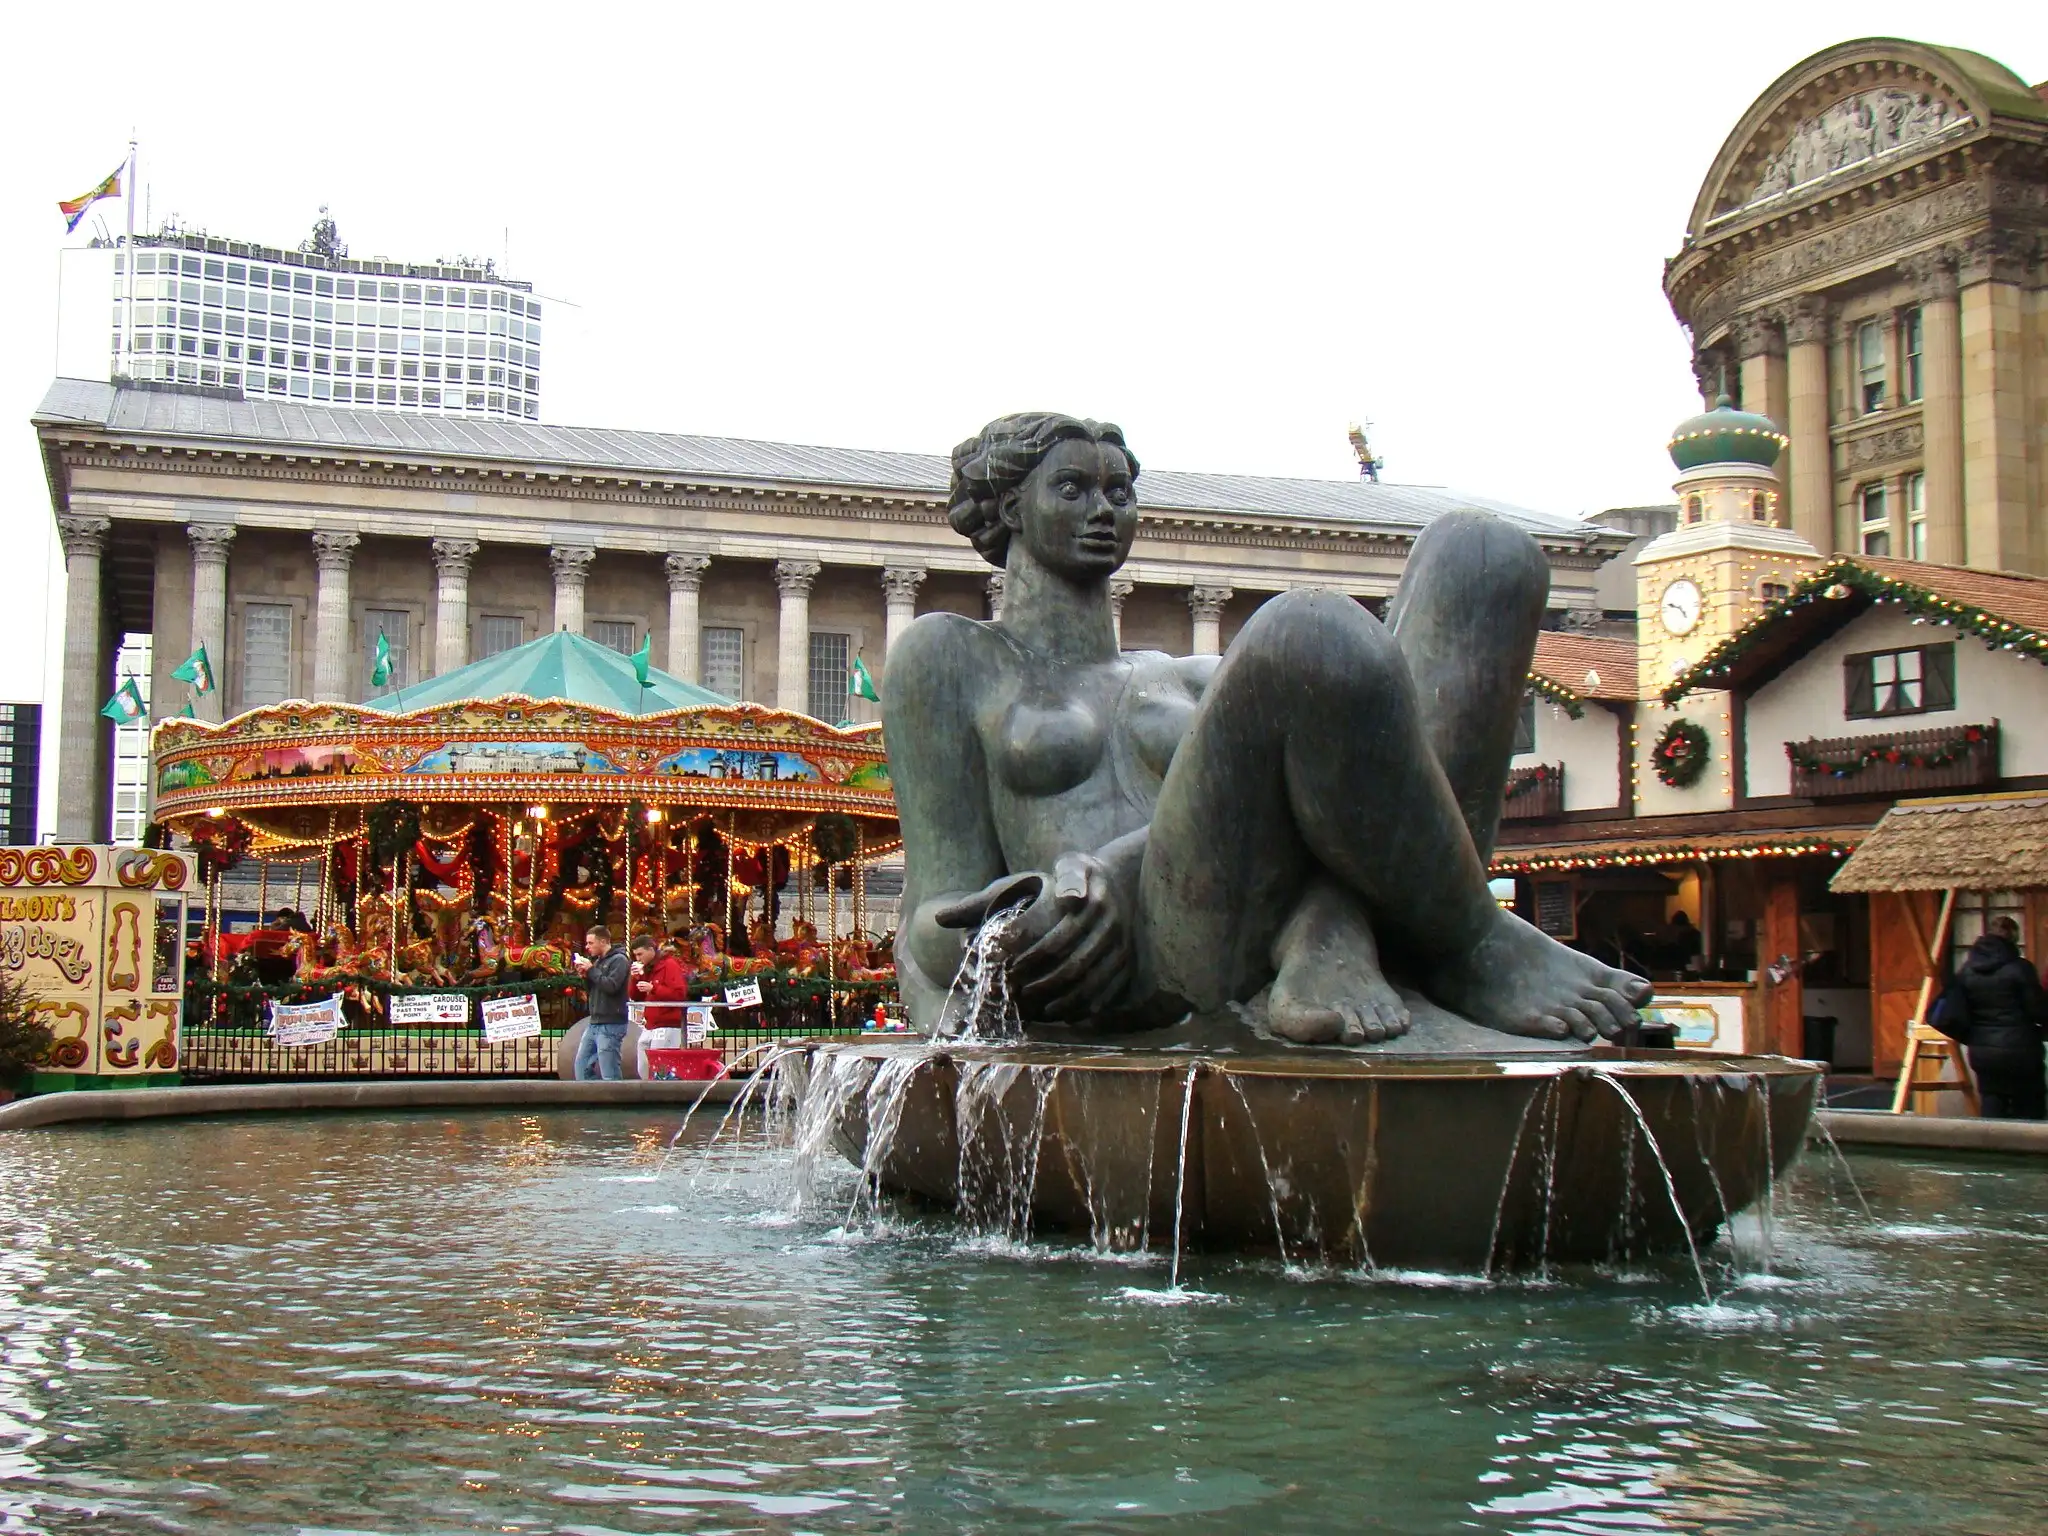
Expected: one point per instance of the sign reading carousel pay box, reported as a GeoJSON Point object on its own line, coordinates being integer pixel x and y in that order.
{"type": "Point", "coordinates": [430, 1008]}
{"type": "Point", "coordinates": [511, 1018]}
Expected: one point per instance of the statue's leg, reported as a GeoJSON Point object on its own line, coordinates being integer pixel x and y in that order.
{"type": "Point", "coordinates": [1309, 767]}
{"type": "Point", "coordinates": [1465, 618]}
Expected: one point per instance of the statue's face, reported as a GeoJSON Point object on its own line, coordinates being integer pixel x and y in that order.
{"type": "Point", "coordinates": [1077, 511]}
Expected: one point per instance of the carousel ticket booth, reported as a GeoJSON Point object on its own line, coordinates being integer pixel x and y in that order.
{"type": "Point", "coordinates": [431, 853]}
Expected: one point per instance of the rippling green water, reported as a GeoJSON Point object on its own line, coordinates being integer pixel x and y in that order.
{"type": "Point", "coordinates": [460, 1322]}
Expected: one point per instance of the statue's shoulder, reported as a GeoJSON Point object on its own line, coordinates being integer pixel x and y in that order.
{"type": "Point", "coordinates": [932, 652]}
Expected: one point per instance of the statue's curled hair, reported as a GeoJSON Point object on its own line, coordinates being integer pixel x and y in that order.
{"type": "Point", "coordinates": [996, 460]}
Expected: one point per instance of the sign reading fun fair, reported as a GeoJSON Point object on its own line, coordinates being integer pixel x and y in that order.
{"type": "Point", "coordinates": [430, 1008]}
{"type": "Point", "coordinates": [511, 1018]}
{"type": "Point", "coordinates": [299, 1024]}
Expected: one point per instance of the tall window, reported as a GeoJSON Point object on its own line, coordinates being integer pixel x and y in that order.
{"type": "Point", "coordinates": [1876, 520]}
{"type": "Point", "coordinates": [395, 625]}
{"type": "Point", "coordinates": [1910, 335]}
{"type": "Point", "coordinates": [1870, 365]}
{"type": "Point", "coordinates": [496, 632]}
{"type": "Point", "coordinates": [830, 661]}
{"type": "Point", "coordinates": [1916, 517]}
{"type": "Point", "coordinates": [721, 653]}
{"type": "Point", "coordinates": [1909, 682]}
{"type": "Point", "coordinates": [1692, 509]}
{"type": "Point", "coordinates": [266, 653]}
{"type": "Point", "coordinates": [619, 634]}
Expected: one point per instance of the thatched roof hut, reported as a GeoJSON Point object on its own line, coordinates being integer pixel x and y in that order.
{"type": "Point", "coordinates": [1974, 843]}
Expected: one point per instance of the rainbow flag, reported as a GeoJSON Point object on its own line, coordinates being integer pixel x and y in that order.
{"type": "Point", "coordinates": [74, 208]}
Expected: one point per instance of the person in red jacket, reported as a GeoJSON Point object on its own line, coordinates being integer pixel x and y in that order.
{"type": "Point", "coordinates": [659, 977]}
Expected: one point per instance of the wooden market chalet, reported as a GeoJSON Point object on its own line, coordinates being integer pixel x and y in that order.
{"type": "Point", "coordinates": [1804, 785]}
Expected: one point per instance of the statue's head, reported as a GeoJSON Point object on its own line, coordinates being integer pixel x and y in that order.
{"type": "Point", "coordinates": [1065, 486]}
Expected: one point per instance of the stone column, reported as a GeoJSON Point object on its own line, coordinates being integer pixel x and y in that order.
{"type": "Point", "coordinates": [1992, 326]}
{"type": "Point", "coordinates": [793, 580]}
{"type": "Point", "coordinates": [1760, 353]}
{"type": "Point", "coordinates": [572, 570]}
{"type": "Point", "coordinates": [1206, 603]}
{"type": "Point", "coordinates": [332, 553]}
{"type": "Point", "coordinates": [685, 582]}
{"type": "Point", "coordinates": [83, 747]}
{"type": "Point", "coordinates": [1120, 587]}
{"type": "Point", "coordinates": [996, 583]}
{"type": "Point", "coordinates": [210, 543]}
{"type": "Point", "coordinates": [1941, 403]}
{"type": "Point", "coordinates": [1811, 474]}
{"type": "Point", "coordinates": [899, 597]}
{"type": "Point", "coordinates": [451, 603]}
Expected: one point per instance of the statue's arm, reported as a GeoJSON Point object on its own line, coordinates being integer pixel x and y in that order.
{"type": "Point", "coordinates": [942, 797]}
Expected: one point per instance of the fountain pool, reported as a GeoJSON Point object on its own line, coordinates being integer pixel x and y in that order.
{"type": "Point", "coordinates": [452, 1322]}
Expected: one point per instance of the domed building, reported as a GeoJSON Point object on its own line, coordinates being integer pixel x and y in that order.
{"type": "Point", "coordinates": [1864, 266]}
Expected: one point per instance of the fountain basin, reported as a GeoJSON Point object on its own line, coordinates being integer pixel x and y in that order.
{"type": "Point", "coordinates": [1395, 1161]}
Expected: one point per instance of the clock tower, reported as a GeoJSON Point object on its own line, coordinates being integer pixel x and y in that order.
{"type": "Point", "coordinates": [1730, 553]}
{"type": "Point", "coordinates": [1728, 558]}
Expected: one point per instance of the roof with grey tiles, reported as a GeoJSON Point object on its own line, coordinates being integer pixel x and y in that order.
{"type": "Point", "coordinates": [218, 417]}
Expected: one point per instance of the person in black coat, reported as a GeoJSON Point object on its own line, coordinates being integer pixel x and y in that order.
{"type": "Point", "coordinates": [1997, 1008]}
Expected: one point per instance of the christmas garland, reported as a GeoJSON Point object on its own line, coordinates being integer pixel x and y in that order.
{"type": "Point", "coordinates": [1522, 780]}
{"type": "Point", "coordinates": [1558, 694]}
{"type": "Point", "coordinates": [1887, 753]}
{"type": "Point", "coordinates": [1842, 578]}
{"type": "Point", "coordinates": [1681, 754]}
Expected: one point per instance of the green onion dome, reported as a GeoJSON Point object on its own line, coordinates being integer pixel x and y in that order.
{"type": "Point", "coordinates": [1725, 435]}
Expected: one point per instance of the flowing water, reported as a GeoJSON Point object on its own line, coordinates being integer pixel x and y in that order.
{"type": "Point", "coordinates": [498, 1321]}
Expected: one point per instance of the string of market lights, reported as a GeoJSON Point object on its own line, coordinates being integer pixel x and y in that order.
{"type": "Point", "coordinates": [1558, 694]}
{"type": "Point", "coordinates": [1842, 578]}
{"type": "Point", "coordinates": [1652, 855]}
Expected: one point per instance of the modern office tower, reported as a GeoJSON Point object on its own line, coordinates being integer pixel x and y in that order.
{"type": "Point", "coordinates": [21, 746]}
{"type": "Point", "coordinates": [303, 325]}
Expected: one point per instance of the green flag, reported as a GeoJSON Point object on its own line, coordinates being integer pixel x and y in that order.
{"type": "Point", "coordinates": [380, 663]}
{"type": "Point", "coordinates": [188, 712]}
{"type": "Point", "coordinates": [197, 671]}
{"type": "Point", "coordinates": [126, 705]}
{"type": "Point", "coordinates": [642, 657]}
{"type": "Point", "coordinates": [860, 684]}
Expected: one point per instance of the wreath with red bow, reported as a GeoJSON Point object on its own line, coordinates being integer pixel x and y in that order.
{"type": "Point", "coordinates": [1681, 754]}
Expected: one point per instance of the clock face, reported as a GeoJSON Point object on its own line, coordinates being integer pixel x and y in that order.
{"type": "Point", "coordinates": [1680, 609]}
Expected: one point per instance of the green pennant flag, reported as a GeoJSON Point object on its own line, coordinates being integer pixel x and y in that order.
{"type": "Point", "coordinates": [380, 664]}
{"type": "Point", "coordinates": [126, 705]}
{"type": "Point", "coordinates": [642, 658]}
{"type": "Point", "coordinates": [197, 671]}
{"type": "Point", "coordinates": [188, 712]}
{"type": "Point", "coordinates": [860, 684]}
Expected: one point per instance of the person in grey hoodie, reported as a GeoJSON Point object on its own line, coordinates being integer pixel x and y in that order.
{"type": "Point", "coordinates": [605, 970]}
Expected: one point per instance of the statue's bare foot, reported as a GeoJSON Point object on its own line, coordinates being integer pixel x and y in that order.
{"type": "Point", "coordinates": [1327, 988]}
{"type": "Point", "coordinates": [1522, 982]}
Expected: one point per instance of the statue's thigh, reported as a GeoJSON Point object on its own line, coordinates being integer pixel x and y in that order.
{"type": "Point", "coordinates": [1224, 863]}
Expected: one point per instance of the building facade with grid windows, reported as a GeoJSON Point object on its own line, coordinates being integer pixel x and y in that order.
{"type": "Point", "coordinates": [301, 326]}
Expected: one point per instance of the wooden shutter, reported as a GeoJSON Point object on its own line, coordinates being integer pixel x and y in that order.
{"type": "Point", "coordinates": [1858, 697]}
{"type": "Point", "coordinates": [1938, 675]}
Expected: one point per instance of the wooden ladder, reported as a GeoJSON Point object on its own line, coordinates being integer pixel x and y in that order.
{"type": "Point", "coordinates": [1927, 1046]}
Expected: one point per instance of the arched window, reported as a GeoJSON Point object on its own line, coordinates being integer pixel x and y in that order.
{"type": "Point", "coordinates": [1692, 509]}
{"type": "Point", "coordinates": [1759, 507]}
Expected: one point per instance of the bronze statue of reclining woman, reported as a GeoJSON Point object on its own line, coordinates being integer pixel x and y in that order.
{"type": "Point", "coordinates": [1184, 833]}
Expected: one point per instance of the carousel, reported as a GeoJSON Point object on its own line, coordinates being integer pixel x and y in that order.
{"type": "Point", "coordinates": [461, 836]}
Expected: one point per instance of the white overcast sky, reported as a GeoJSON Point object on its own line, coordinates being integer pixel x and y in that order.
{"type": "Point", "coordinates": [1233, 229]}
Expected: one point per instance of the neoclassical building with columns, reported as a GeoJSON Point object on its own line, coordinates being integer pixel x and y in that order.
{"type": "Point", "coordinates": [1865, 265]}
{"type": "Point", "coordinates": [287, 537]}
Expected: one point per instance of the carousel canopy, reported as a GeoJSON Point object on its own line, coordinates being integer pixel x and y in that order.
{"type": "Point", "coordinates": [557, 666]}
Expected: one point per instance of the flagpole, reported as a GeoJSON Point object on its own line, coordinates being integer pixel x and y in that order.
{"type": "Point", "coordinates": [128, 308]}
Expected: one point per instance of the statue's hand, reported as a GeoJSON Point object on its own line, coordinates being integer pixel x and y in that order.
{"type": "Point", "coordinates": [1078, 965]}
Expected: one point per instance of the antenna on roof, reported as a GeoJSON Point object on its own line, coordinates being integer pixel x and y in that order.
{"type": "Point", "coordinates": [1369, 467]}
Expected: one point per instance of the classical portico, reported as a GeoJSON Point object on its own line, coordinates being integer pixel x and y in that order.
{"type": "Point", "coordinates": [1864, 265]}
{"type": "Point", "coordinates": [760, 571]}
